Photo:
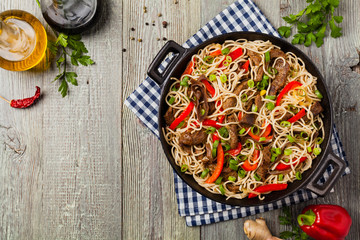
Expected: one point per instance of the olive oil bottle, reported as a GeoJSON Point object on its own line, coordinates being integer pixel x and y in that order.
{"type": "Point", "coordinates": [23, 40]}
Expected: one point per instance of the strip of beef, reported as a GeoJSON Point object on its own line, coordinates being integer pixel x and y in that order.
{"type": "Point", "coordinates": [259, 74]}
{"type": "Point", "coordinates": [258, 102]}
{"type": "Point", "coordinates": [280, 78]}
{"type": "Point", "coordinates": [209, 152]}
{"type": "Point", "coordinates": [233, 129]}
{"type": "Point", "coordinates": [200, 101]}
{"type": "Point", "coordinates": [212, 108]}
{"type": "Point", "coordinates": [316, 109]}
{"type": "Point", "coordinates": [231, 102]}
{"type": "Point", "coordinates": [248, 119]}
{"type": "Point", "coordinates": [233, 188]}
{"type": "Point", "coordinates": [263, 169]}
{"type": "Point", "coordinates": [197, 137]}
{"type": "Point", "coordinates": [227, 172]}
{"type": "Point", "coordinates": [254, 57]}
{"type": "Point", "coordinates": [186, 148]}
{"type": "Point", "coordinates": [170, 115]}
{"type": "Point", "coordinates": [275, 53]}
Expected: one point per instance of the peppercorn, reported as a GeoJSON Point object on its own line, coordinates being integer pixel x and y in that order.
{"type": "Point", "coordinates": [159, 15]}
{"type": "Point", "coordinates": [124, 50]}
{"type": "Point", "coordinates": [164, 38]}
{"type": "Point", "coordinates": [139, 40]}
{"type": "Point", "coordinates": [164, 23]}
{"type": "Point", "coordinates": [132, 29]}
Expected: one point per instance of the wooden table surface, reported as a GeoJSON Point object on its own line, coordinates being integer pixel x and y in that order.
{"type": "Point", "coordinates": [84, 167]}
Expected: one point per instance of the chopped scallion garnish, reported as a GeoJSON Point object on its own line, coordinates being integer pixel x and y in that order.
{"type": "Point", "coordinates": [267, 56]}
{"type": "Point", "coordinates": [291, 139]}
{"type": "Point", "coordinates": [254, 108]}
{"type": "Point", "coordinates": [181, 124]}
{"type": "Point", "coordinates": [318, 94]}
{"type": "Point", "coordinates": [298, 175]}
{"type": "Point", "coordinates": [171, 100]}
{"type": "Point", "coordinates": [271, 97]}
{"type": "Point", "coordinates": [205, 173]}
{"type": "Point", "coordinates": [257, 130]}
{"type": "Point", "coordinates": [244, 97]}
{"type": "Point", "coordinates": [242, 173]}
{"type": "Point", "coordinates": [223, 132]}
{"type": "Point", "coordinates": [270, 106]}
{"type": "Point", "coordinates": [225, 51]}
{"type": "Point", "coordinates": [227, 147]}
{"type": "Point", "coordinates": [319, 140]}
{"type": "Point", "coordinates": [210, 130]}
{"type": "Point", "coordinates": [202, 112]}
{"type": "Point", "coordinates": [184, 168]}
{"type": "Point", "coordinates": [287, 152]}
{"type": "Point", "coordinates": [280, 177]}
{"type": "Point", "coordinates": [317, 151]}
{"type": "Point", "coordinates": [222, 189]}
{"type": "Point", "coordinates": [309, 149]}
{"type": "Point", "coordinates": [223, 78]}
{"type": "Point", "coordinates": [285, 124]}
{"type": "Point", "coordinates": [184, 81]}
{"type": "Point", "coordinates": [218, 181]}
{"type": "Point", "coordinates": [232, 179]}
{"type": "Point", "coordinates": [212, 77]}
{"type": "Point", "coordinates": [242, 131]}
{"type": "Point", "coordinates": [262, 139]}
{"type": "Point", "coordinates": [256, 177]}
{"type": "Point", "coordinates": [251, 83]}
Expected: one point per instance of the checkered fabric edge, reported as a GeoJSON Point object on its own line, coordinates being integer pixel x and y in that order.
{"type": "Point", "coordinates": [243, 15]}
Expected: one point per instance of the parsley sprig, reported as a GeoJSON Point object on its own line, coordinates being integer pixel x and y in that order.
{"type": "Point", "coordinates": [296, 232]}
{"type": "Point", "coordinates": [311, 23]}
{"type": "Point", "coordinates": [68, 46]}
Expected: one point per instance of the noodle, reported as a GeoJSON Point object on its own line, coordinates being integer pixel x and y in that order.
{"type": "Point", "coordinates": [304, 131]}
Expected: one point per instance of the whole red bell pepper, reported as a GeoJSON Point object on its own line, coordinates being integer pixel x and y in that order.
{"type": "Point", "coordinates": [329, 222]}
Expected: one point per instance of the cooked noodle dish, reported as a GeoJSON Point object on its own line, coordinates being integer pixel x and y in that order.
{"type": "Point", "coordinates": [244, 119]}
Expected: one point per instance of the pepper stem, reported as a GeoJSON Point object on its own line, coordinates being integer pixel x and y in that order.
{"type": "Point", "coordinates": [5, 99]}
{"type": "Point", "coordinates": [308, 218]}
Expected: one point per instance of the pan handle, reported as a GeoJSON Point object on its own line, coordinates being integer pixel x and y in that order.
{"type": "Point", "coordinates": [339, 167]}
{"type": "Point", "coordinates": [153, 70]}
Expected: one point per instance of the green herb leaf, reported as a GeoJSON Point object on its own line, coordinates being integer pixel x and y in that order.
{"type": "Point", "coordinates": [286, 235]}
{"type": "Point", "coordinates": [52, 47]}
{"type": "Point", "coordinates": [63, 88]}
{"type": "Point", "coordinates": [335, 30]}
{"type": "Point", "coordinates": [71, 78]}
{"type": "Point", "coordinates": [62, 39]}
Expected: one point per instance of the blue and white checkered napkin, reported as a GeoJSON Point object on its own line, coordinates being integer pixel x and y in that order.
{"type": "Point", "coordinates": [243, 15]}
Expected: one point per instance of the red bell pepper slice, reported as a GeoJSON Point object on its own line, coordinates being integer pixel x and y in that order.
{"type": "Point", "coordinates": [219, 165]}
{"type": "Point", "coordinates": [211, 123]}
{"type": "Point", "coordinates": [240, 116]}
{"type": "Point", "coordinates": [299, 115]}
{"type": "Point", "coordinates": [234, 55]}
{"type": "Point", "coordinates": [189, 68]}
{"type": "Point", "coordinates": [265, 134]}
{"type": "Point", "coordinates": [182, 116]}
{"type": "Point", "coordinates": [325, 221]}
{"type": "Point", "coordinates": [221, 118]}
{"type": "Point", "coordinates": [282, 166]}
{"type": "Point", "coordinates": [246, 65]}
{"type": "Point", "coordinates": [209, 88]}
{"type": "Point", "coordinates": [268, 188]}
{"type": "Point", "coordinates": [236, 151]}
{"type": "Point", "coordinates": [215, 53]}
{"type": "Point", "coordinates": [216, 137]}
{"type": "Point", "coordinates": [287, 88]}
{"type": "Point", "coordinates": [247, 166]}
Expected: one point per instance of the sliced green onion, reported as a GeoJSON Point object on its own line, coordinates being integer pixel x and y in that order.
{"type": "Point", "coordinates": [241, 158]}
{"type": "Point", "coordinates": [270, 106]}
{"type": "Point", "coordinates": [232, 179]}
{"type": "Point", "coordinates": [298, 92]}
{"type": "Point", "coordinates": [171, 100]}
{"type": "Point", "coordinates": [181, 124]}
{"type": "Point", "coordinates": [223, 132]}
{"type": "Point", "coordinates": [267, 56]}
{"type": "Point", "coordinates": [263, 83]}
{"type": "Point", "coordinates": [271, 97]}
{"type": "Point", "coordinates": [292, 108]}
{"type": "Point", "coordinates": [286, 160]}
{"type": "Point", "coordinates": [202, 112]}
{"type": "Point", "coordinates": [280, 177]}
{"type": "Point", "coordinates": [227, 147]}
{"type": "Point", "coordinates": [252, 130]}
{"type": "Point", "coordinates": [319, 140]}
{"type": "Point", "coordinates": [317, 151]}
{"type": "Point", "coordinates": [278, 151]}
{"type": "Point", "coordinates": [233, 167]}
{"type": "Point", "coordinates": [205, 173]}
{"type": "Point", "coordinates": [318, 94]}
{"type": "Point", "coordinates": [210, 130]}
{"type": "Point", "coordinates": [309, 149]}
{"type": "Point", "coordinates": [298, 175]}
{"type": "Point", "coordinates": [218, 181]}
{"type": "Point", "coordinates": [254, 108]}
{"type": "Point", "coordinates": [285, 124]}
{"type": "Point", "coordinates": [248, 144]}
{"type": "Point", "coordinates": [273, 151]}
{"type": "Point", "coordinates": [304, 135]}
{"type": "Point", "coordinates": [251, 83]}
{"type": "Point", "coordinates": [212, 77]}
{"type": "Point", "coordinates": [184, 168]}
{"type": "Point", "coordinates": [214, 149]}
{"type": "Point", "coordinates": [262, 139]}
{"type": "Point", "coordinates": [226, 63]}
{"type": "Point", "coordinates": [272, 71]}
{"type": "Point", "coordinates": [184, 81]}
{"type": "Point", "coordinates": [223, 78]}
{"type": "Point", "coordinates": [225, 51]}
{"type": "Point", "coordinates": [287, 152]}
{"type": "Point", "coordinates": [265, 77]}
{"type": "Point", "coordinates": [242, 131]}
{"type": "Point", "coordinates": [273, 158]}
{"type": "Point", "coordinates": [242, 173]}
{"type": "Point", "coordinates": [174, 89]}
{"type": "Point", "coordinates": [257, 178]}
{"type": "Point", "coordinates": [244, 97]}
{"type": "Point", "coordinates": [233, 161]}
{"type": "Point", "coordinates": [228, 58]}
{"type": "Point", "coordinates": [291, 139]}
{"type": "Point", "coordinates": [222, 189]}
{"type": "Point", "coordinates": [208, 59]}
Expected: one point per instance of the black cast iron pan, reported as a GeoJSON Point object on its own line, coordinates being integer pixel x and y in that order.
{"type": "Point", "coordinates": [310, 178]}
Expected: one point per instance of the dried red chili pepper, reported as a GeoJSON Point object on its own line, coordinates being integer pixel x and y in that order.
{"type": "Point", "coordinates": [26, 102]}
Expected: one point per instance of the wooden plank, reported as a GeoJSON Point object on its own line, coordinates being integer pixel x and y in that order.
{"type": "Point", "coordinates": [149, 204]}
{"type": "Point", "coordinates": [68, 183]}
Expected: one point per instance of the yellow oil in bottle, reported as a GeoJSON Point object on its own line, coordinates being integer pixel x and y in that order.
{"type": "Point", "coordinates": [23, 40]}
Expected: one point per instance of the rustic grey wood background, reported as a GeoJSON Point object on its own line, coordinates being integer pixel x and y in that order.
{"type": "Point", "coordinates": [84, 167]}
